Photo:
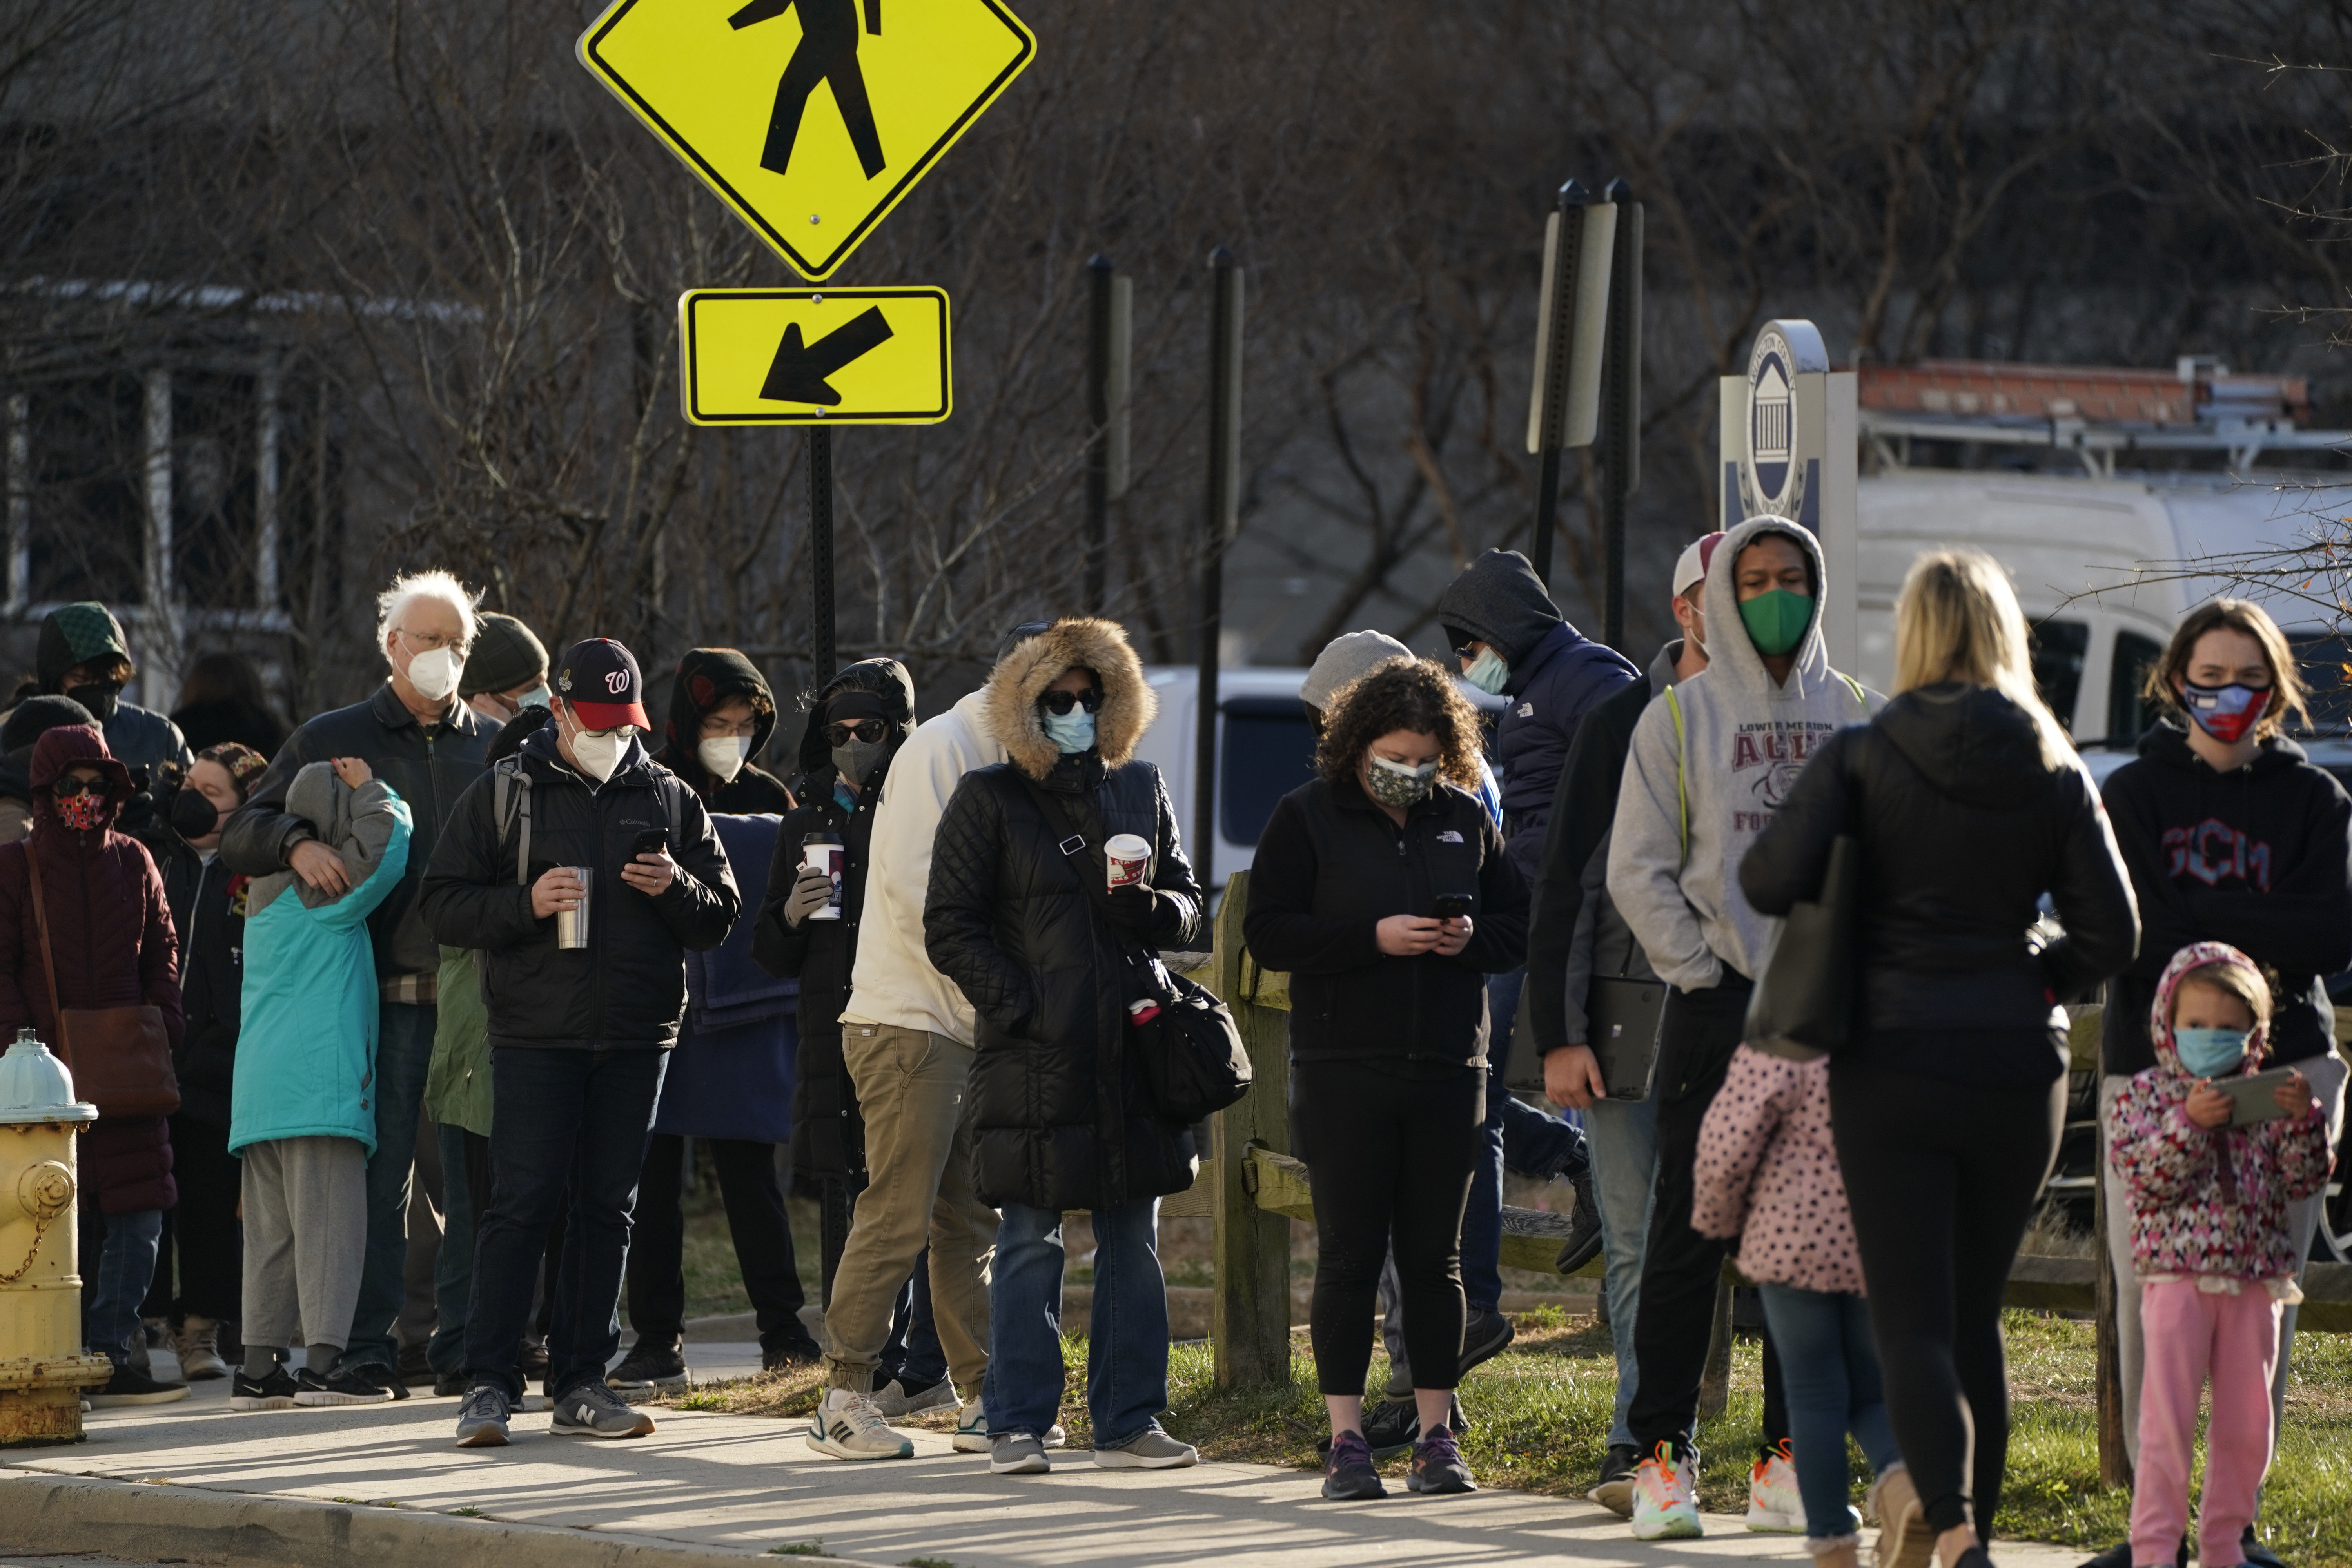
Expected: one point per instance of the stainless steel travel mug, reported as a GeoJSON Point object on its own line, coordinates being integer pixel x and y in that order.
{"type": "Point", "coordinates": [572, 925]}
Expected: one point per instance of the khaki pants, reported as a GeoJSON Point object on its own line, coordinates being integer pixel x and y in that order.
{"type": "Point", "coordinates": [912, 1090]}
{"type": "Point", "coordinates": [2327, 1076]}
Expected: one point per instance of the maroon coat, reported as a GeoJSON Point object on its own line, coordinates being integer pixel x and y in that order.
{"type": "Point", "coordinates": [112, 933]}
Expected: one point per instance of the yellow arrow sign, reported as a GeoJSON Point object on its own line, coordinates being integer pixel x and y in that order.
{"type": "Point", "coordinates": [814, 356]}
{"type": "Point", "coordinates": [811, 118]}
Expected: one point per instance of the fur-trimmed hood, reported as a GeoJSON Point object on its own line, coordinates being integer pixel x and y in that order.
{"type": "Point", "coordinates": [1021, 677]}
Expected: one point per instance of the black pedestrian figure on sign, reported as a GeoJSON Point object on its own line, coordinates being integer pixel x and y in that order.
{"type": "Point", "coordinates": [827, 53]}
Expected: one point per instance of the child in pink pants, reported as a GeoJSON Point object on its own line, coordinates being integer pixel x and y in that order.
{"type": "Point", "coordinates": [2209, 1245]}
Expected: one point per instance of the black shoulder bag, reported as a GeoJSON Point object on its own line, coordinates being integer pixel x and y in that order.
{"type": "Point", "coordinates": [1189, 1058]}
{"type": "Point", "coordinates": [1802, 1007]}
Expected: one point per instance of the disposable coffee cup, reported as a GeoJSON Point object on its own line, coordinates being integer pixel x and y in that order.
{"type": "Point", "coordinates": [1129, 859]}
{"type": "Point", "coordinates": [823, 852]}
{"type": "Point", "coordinates": [572, 925]}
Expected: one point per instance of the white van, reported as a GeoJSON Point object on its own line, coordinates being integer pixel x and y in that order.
{"type": "Point", "coordinates": [2061, 537]}
{"type": "Point", "coordinates": [1265, 750]}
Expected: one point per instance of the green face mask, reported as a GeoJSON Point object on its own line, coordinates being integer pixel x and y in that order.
{"type": "Point", "coordinates": [1776, 619]}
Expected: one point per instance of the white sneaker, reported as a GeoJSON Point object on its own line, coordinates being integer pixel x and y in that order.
{"type": "Point", "coordinates": [894, 1399]}
{"type": "Point", "coordinates": [972, 1430]}
{"type": "Point", "coordinates": [848, 1426]}
{"type": "Point", "coordinates": [1774, 1508]}
{"type": "Point", "coordinates": [1666, 1497]}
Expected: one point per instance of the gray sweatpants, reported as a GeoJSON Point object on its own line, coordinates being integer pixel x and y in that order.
{"type": "Point", "coordinates": [305, 1204]}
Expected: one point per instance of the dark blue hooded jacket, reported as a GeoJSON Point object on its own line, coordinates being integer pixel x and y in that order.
{"type": "Point", "coordinates": [1557, 675]}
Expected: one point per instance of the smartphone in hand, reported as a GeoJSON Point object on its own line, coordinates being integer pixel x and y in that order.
{"type": "Point", "coordinates": [1450, 907]}
{"type": "Point", "coordinates": [652, 841]}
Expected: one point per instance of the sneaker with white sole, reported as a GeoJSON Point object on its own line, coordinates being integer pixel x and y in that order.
{"type": "Point", "coordinates": [482, 1418]}
{"type": "Point", "coordinates": [1149, 1449]}
{"type": "Point", "coordinates": [1017, 1454]}
{"type": "Point", "coordinates": [340, 1386]}
{"type": "Point", "coordinates": [848, 1426]}
{"type": "Point", "coordinates": [1666, 1496]}
{"type": "Point", "coordinates": [1614, 1489]}
{"type": "Point", "coordinates": [594, 1410]}
{"type": "Point", "coordinates": [895, 1399]}
{"type": "Point", "coordinates": [1773, 1506]}
{"type": "Point", "coordinates": [972, 1431]}
{"type": "Point", "coordinates": [652, 1369]}
{"type": "Point", "coordinates": [273, 1391]}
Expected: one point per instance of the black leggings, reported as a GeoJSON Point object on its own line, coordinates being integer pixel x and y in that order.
{"type": "Point", "coordinates": [1391, 1157]}
{"type": "Point", "coordinates": [1942, 1178]}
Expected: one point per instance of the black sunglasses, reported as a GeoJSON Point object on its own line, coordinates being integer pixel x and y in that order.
{"type": "Point", "coordinates": [1060, 702]}
{"type": "Point", "coordinates": [70, 786]}
{"type": "Point", "coordinates": [866, 729]}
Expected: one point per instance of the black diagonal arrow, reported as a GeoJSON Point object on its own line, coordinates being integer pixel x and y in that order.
{"type": "Point", "coordinates": [798, 374]}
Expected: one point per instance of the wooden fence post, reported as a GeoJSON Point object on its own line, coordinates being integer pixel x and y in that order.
{"type": "Point", "coordinates": [1249, 1311]}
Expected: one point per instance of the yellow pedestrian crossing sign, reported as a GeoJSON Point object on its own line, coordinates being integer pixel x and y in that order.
{"type": "Point", "coordinates": [811, 118]}
{"type": "Point", "coordinates": [814, 356]}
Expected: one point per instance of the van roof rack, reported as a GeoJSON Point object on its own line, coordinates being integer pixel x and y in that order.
{"type": "Point", "coordinates": [2094, 412]}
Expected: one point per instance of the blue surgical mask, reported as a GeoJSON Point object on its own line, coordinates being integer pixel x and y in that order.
{"type": "Point", "coordinates": [2208, 1053]}
{"type": "Point", "coordinates": [1487, 671]}
{"type": "Point", "coordinates": [1073, 732]}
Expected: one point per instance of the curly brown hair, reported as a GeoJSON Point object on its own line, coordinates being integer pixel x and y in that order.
{"type": "Point", "coordinates": [1414, 694]}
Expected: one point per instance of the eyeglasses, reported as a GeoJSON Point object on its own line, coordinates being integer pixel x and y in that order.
{"type": "Point", "coordinates": [430, 642]}
{"type": "Point", "coordinates": [869, 730]}
{"type": "Point", "coordinates": [1060, 702]}
{"type": "Point", "coordinates": [71, 785]}
{"type": "Point", "coordinates": [1467, 650]}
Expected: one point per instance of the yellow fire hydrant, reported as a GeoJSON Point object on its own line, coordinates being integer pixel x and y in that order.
{"type": "Point", "coordinates": [43, 1369]}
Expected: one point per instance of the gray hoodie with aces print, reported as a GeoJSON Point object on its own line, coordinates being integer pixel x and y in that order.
{"type": "Point", "coordinates": [1708, 770]}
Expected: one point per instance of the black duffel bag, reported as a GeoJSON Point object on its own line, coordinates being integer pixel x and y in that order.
{"type": "Point", "coordinates": [1191, 1057]}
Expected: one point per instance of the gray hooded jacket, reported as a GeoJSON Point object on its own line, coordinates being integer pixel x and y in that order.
{"type": "Point", "coordinates": [352, 822]}
{"type": "Point", "coordinates": [1706, 771]}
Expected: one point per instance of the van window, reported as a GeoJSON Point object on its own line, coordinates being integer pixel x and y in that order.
{"type": "Point", "coordinates": [2059, 648]}
{"type": "Point", "coordinates": [1267, 751]}
{"type": "Point", "coordinates": [2129, 715]}
{"type": "Point", "coordinates": [2322, 659]}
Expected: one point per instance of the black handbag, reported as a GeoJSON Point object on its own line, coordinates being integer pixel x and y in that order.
{"type": "Point", "coordinates": [1802, 1008]}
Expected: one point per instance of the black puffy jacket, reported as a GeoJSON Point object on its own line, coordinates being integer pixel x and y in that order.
{"type": "Point", "coordinates": [211, 927]}
{"type": "Point", "coordinates": [627, 987]}
{"type": "Point", "coordinates": [428, 769]}
{"type": "Point", "coordinates": [1331, 867]}
{"type": "Point", "coordinates": [1963, 828]}
{"type": "Point", "coordinates": [828, 1136]}
{"type": "Point", "coordinates": [1060, 1121]}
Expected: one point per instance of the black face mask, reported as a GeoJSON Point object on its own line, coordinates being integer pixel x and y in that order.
{"type": "Point", "coordinates": [100, 698]}
{"type": "Point", "coordinates": [193, 816]}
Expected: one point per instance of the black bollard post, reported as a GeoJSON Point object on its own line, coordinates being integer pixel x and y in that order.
{"type": "Point", "coordinates": [1223, 514]}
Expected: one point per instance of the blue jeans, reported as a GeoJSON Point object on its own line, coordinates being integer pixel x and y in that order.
{"type": "Point", "coordinates": [562, 1121]}
{"type": "Point", "coordinates": [1517, 1135]}
{"type": "Point", "coordinates": [1830, 1372]}
{"type": "Point", "coordinates": [1126, 1348]}
{"type": "Point", "coordinates": [914, 1356]}
{"type": "Point", "coordinates": [1623, 1135]}
{"type": "Point", "coordinates": [453, 1268]}
{"type": "Point", "coordinates": [403, 1053]}
{"type": "Point", "coordinates": [123, 1247]}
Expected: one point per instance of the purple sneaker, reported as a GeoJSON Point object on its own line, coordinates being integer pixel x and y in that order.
{"type": "Point", "coordinates": [1437, 1466]}
{"type": "Point", "coordinates": [1347, 1474]}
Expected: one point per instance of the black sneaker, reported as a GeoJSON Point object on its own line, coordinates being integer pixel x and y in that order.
{"type": "Point", "coordinates": [2120, 1554]}
{"type": "Point", "coordinates": [372, 1374]}
{"type": "Point", "coordinates": [449, 1385]}
{"type": "Point", "coordinates": [1486, 1334]}
{"type": "Point", "coordinates": [1391, 1428]}
{"type": "Point", "coordinates": [2251, 1547]}
{"type": "Point", "coordinates": [128, 1385]}
{"type": "Point", "coordinates": [1615, 1487]}
{"type": "Point", "coordinates": [414, 1367]}
{"type": "Point", "coordinates": [1347, 1474]}
{"type": "Point", "coordinates": [651, 1369]}
{"type": "Point", "coordinates": [530, 1358]}
{"type": "Point", "coordinates": [1583, 1243]}
{"type": "Point", "coordinates": [1437, 1466]}
{"type": "Point", "coordinates": [798, 1350]}
{"type": "Point", "coordinates": [343, 1385]}
{"type": "Point", "coordinates": [273, 1391]}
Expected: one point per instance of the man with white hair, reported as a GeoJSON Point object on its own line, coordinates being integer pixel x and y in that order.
{"type": "Point", "coordinates": [420, 739]}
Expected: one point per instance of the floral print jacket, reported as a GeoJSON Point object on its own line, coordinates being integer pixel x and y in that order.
{"type": "Point", "coordinates": [2208, 1201]}
{"type": "Point", "coordinates": [1768, 1176]}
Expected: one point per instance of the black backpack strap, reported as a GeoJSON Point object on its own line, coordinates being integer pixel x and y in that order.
{"type": "Point", "coordinates": [510, 802]}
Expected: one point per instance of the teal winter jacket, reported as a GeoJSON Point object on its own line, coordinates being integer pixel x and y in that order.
{"type": "Point", "coordinates": [306, 1054]}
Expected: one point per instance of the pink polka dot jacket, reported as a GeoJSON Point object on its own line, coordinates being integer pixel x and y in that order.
{"type": "Point", "coordinates": [2208, 1201]}
{"type": "Point", "coordinates": [1767, 1177]}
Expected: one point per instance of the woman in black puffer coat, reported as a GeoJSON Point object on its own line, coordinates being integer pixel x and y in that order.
{"type": "Point", "coordinates": [1020, 916]}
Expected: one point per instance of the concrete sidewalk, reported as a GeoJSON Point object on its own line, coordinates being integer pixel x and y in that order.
{"type": "Point", "coordinates": [750, 1484]}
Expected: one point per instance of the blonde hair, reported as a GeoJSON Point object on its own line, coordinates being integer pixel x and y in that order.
{"type": "Point", "coordinates": [2243, 981]}
{"type": "Point", "coordinates": [1956, 619]}
{"type": "Point", "coordinates": [2287, 692]}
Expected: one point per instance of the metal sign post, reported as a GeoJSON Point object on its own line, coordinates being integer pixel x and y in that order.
{"type": "Point", "coordinates": [1223, 516]}
{"type": "Point", "coordinates": [1621, 408]}
{"type": "Point", "coordinates": [821, 643]}
{"type": "Point", "coordinates": [1790, 430]}
{"type": "Point", "coordinates": [1111, 334]}
{"type": "Point", "coordinates": [1564, 404]}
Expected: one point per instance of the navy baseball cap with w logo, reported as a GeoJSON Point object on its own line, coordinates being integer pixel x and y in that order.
{"type": "Point", "coordinates": [599, 678]}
